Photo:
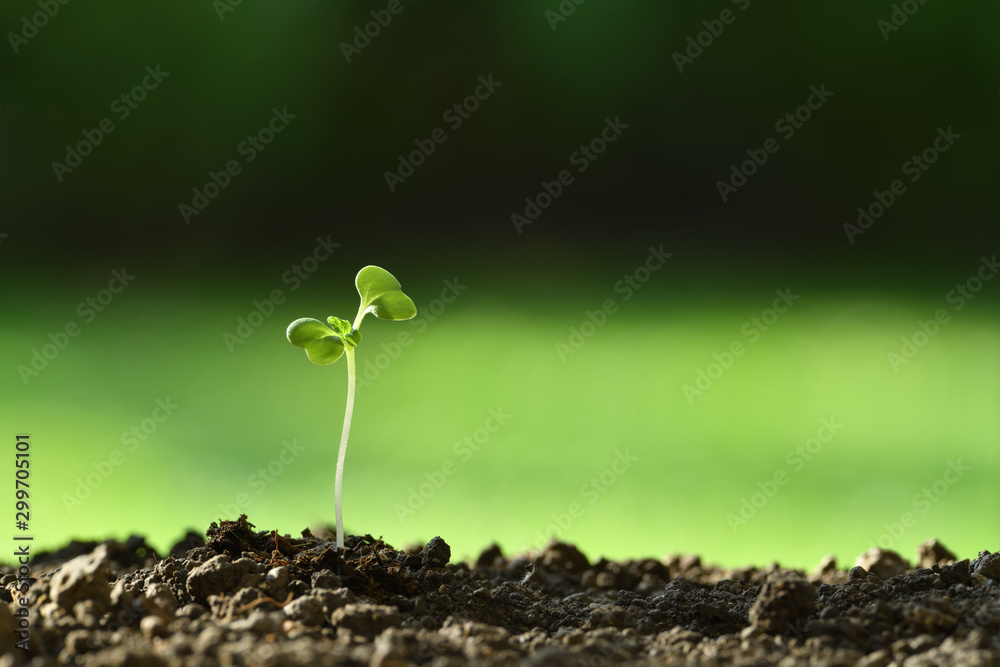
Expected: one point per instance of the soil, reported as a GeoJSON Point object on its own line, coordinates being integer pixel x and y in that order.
{"type": "Point", "coordinates": [249, 597]}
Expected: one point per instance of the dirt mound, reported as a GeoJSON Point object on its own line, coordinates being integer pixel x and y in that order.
{"type": "Point", "coordinates": [248, 597]}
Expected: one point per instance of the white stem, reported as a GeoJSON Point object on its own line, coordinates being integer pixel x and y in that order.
{"type": "Point", "coordinates": [342, 454]}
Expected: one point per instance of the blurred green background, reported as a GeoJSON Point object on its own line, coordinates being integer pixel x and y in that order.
{"type": "Point", "coordinates": [515, 337]}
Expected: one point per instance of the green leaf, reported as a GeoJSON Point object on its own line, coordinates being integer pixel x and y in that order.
{"type": "Point", "coordinates": [382, 296]}
{"type": "Point", "coordinates": [351, 337]}
{"type": "Point", "coordinates": [325, 351]}
{"type": "Point", "coordinates": [342, 327]}
{"type": "Point", "coordinates": [305, 330]}
{"type": "Point", "coordinates": [322, 344]}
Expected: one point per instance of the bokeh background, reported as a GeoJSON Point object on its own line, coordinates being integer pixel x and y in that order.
{"type": "Point", "coordinates": [505, 311]}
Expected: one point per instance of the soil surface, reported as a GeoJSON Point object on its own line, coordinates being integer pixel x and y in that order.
{"type": "Point", "coordinates": [249, 597]}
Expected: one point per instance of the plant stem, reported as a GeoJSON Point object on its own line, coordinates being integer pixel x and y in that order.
{"type": "Point", "coordinates": [342, 454]}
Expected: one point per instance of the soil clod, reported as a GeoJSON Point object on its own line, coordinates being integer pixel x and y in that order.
{"type": "Point", "coordinates": [246, 597]}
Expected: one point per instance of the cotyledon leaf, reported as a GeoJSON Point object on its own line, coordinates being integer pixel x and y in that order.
{"type": "Point", "coordinates": [382, 295]}
{"type": "Point", "coordinates": [322, 344]}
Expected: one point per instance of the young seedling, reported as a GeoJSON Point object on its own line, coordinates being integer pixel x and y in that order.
{"type": "Point", "coordinates": [325, 343]}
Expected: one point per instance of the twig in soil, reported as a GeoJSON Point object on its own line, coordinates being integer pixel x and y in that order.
{"type": "Point", "coordinates": [259, 601]}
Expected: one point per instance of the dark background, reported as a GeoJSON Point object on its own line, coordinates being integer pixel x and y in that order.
{"type": "Point", "coordinates": [657, 182]}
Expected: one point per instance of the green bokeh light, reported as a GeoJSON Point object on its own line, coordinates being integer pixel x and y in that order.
{"type": "Point", "coordinates": [823, 359]}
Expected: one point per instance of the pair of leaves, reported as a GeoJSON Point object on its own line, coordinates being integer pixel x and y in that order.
{"type": "Point", "coordinates": [324, 344]}
{"type": "Point", "coordinates": [381, 295]}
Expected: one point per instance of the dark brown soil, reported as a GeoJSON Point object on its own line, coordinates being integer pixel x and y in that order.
{"type": "Point", "coordinates": [248, 597]}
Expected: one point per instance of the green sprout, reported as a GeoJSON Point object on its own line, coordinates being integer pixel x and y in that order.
{"type": "Point", "coordinates": [325, 343]}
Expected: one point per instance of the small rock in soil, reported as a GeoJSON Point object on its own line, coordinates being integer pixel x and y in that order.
{"type": "Point", "coordinates": [436, 554]}
{"type": "Point", "coordinates": [932, 553]}
{"type": "Point", "coordinates": [83, 578]}
{"type": "Point", "coordinates": [783, 602]}
{"type": "Point", "coordinates": [826, 565]}
{"type": "Point", "coordinates": [882, 563]}
{"type": "Point", "coordinates": [215, 577]}
{"type": "Point", "coordinates": [987, 565]}
{"type": "Point", "coordinates": [367, 620]}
